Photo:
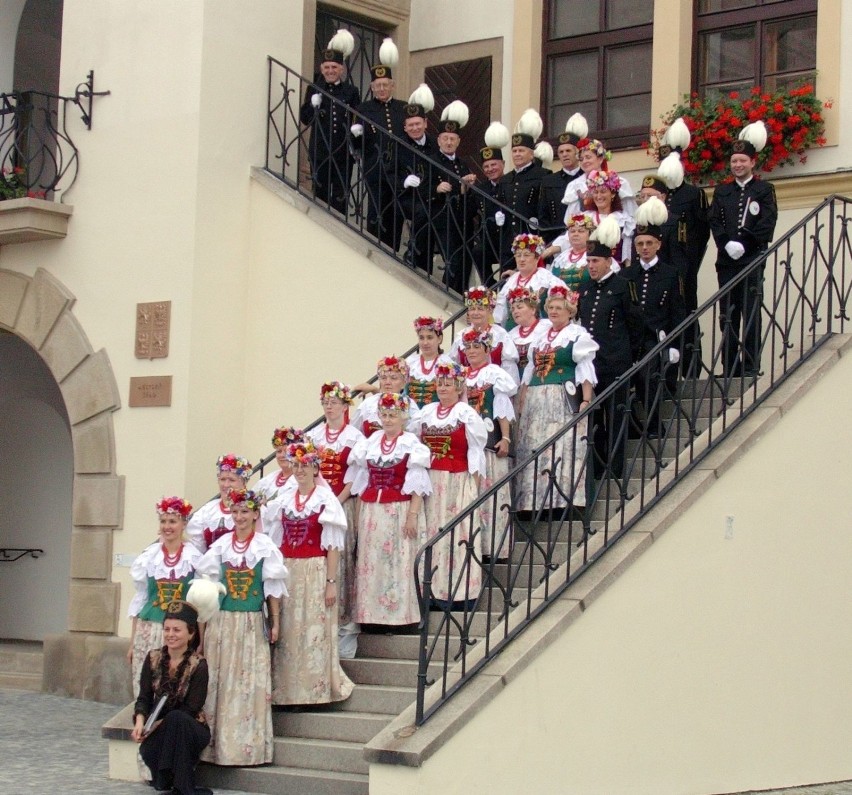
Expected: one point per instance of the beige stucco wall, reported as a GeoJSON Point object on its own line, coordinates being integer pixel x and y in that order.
{"type": "Point", "coordinates": [712, 664]}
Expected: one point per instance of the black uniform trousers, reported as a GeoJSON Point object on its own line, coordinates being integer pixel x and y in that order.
{"type": "Point", "coordinates": [742, 307]}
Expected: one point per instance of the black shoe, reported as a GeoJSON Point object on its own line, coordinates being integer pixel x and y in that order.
{"type": "Point", "coordinates": [203, 791]}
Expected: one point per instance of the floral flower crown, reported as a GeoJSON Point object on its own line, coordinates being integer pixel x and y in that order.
{"type": "Point", "coordinates": [433, 323]}
{"type": "Point", "coordinates": [524, 295]}
{"type": "Point", "coordinates": [336, 389]}
{"type": "Point", "coordinates": [451, 370]}
{"type": "Point", "coordinates": [282, 436]}
{"type": "Point", "coordinates": [474, 337]}
{"type": "Point", "coordinates": [596, 146]}
{"type": "Point", "coordinates": [479, 296]}
{"type": "Point", "coordinates": [393, 401]}
{"type": "Point", "coordinates": [558, 291]}
{"type": "Point", "coordinates": [581, 219]}
{"type": "Point", "coordinates": [175, 505]}
{"type": "Point", "coordinates": [303, 453]}
{"type": "Point", "coordinates": [245, 497]}
{"type": "Point", "coordinates": [525, 242]}
{"type": "Point", "coordinates": [392, 363]}
{"type": "Point", "coordinates": [234, 463]}
{"type": "Point", "coordinates": [603, 179]}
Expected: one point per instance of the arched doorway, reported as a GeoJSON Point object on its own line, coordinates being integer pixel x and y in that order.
{"type": "Point", "coordinates": [86, 660]}
{"type": "Point", "coordinates": [35, 494]}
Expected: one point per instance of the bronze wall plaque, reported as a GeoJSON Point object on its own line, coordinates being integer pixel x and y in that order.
{"type": "Point", "coordinates": [150, 390]}
{"type": "Point", "coordinates": [153, 324]}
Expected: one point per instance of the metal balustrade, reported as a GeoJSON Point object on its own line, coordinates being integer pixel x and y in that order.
{"type": "Point", "coordinates": [664, 420]}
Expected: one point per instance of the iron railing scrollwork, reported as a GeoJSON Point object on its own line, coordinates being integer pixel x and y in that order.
{"type": "Point", "coordinates": [38, 158]}
{"type": "Point", "coordinates": [671, 419]}
{"type": "Point", "coordinates": [459, 230]}
{"type": "Point", "coordinates": [11, 554]}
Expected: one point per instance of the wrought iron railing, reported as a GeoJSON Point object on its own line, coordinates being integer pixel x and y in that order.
{"type": "Point", "coordinates": [37, 156]}
{"type": "Point", "coordinates": [657, 431]}
{"type": "Point", "coordinates": [429, 231]}
{"type": "Point", "coordinates": [11, 554]}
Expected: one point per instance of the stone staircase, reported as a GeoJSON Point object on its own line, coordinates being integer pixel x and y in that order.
{"type": "Point", "coordinates": [21, 665]}
{"type": "Point", "coordinates": [320, 750]}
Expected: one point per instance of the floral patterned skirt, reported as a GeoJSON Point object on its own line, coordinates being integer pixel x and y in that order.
{"type": "Point", "coordinates": [451, 493]}
{"type": "Point", "coordinates": [238, 706]}
{"type": "Point", "coordinates": [148, 637]}
{"type": "Point", "coordinates": [496, 537]}
{"type": "Point", "coordinates": [546, 411]}
{"type": "Point", "coordinates": [305, 664]}
{"type": "Point", "coordinates": [385, 592]}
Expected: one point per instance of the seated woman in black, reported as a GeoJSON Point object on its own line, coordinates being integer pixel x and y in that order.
{"type": "Point", "coordinates": [177, 671]}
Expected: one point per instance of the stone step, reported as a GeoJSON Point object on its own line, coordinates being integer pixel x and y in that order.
{"type": "Point", "coordinates": [389, 646]}
{"type": "Point", "coordinates": [21, 657]}
{"type": "Point", "coordinates": [323, 724]}
{"type": "Point", "coordinates": [376, 671]}
{"type": "Point", "coordinates": [337, 756]}
{"type": "Point", "coordinates": [379, 699]}
{"type": "Point", "coordinates": [274, 779]}
{"type": "Point", "coordinates": [20, 681]}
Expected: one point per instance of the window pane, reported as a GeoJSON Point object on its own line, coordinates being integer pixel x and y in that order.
{"type": "Point", "coordinates": [574, 17]}
{"type": "Point", "coordinates": [788, 81]}
{"type": "Point", "coordinates": [573, 78]}
{"type": "Point", "coordinates": [628, 13]}
{"type": "Point", "coordinates": [708, 6]}
{"type": "Point", "coordinates": [628, 70]}
{"type": "Point", "coordinates": [790, 45]}
{"type": "Point", "coordinates": [632, 111]}
{"type": "Point", "coordinates": [727, 55]}
{"type": "Point", "coordinates": [723, 89]}
{"type": "Point", "coordinates": [559, 114]}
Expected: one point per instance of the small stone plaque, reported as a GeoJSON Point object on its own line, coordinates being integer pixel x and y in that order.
{"type": "Point", "coordinates": [150, 390]}
{"type": "Point", "coordinates": [153, 324]}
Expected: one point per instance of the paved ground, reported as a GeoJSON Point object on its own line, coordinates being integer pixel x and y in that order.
{"type": "Point", "coordinates": [52, 746]}
{"type": "Point", "coordinates": [76, 762]}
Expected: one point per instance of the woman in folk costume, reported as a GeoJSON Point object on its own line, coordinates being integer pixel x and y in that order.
{"type": "Point", "coordinates": [213, 519]}
{"type": "Point", "coordinates": [252, 571]}
{"type": "Point", "coordinates": [335, 438]}
{"type": "Point", "coordinates": [177, 675]}
{"type": "Point", "coordinates": [570, 249]}
{"type": "Point", "coordinates": [306, 667]}
{"type": "Point", "coordinates": [271, 484]}
{"type": "Point", "coordinates": [456, 436]}
{"type": "Point", "coordinates": [489, 394]}
{"type": "Point", "coordinates": [393, 375]}
{"type": "Point", "coordinates": [594, 156]}
{"type": "Point", "coordinates": [421, 363]}
{"type": "Point", "coordinates": [480, 303]}
{"type": "Point", "coordinates": [602, 201]}
{"type": "Point", "coordinates": [557, 383]}
{"type": "Point", "coordinates": [160, 574]}
{"type": "Point", "coordinates": [527, 250]}
{"type": "Point", "coordinates": [524, 305]}
{"type": "Point", "coordinates": [391, 479]}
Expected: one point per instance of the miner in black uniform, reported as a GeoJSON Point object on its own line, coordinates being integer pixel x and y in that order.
{"type": "Point", "coordinates": [742, 218]}
{"type": "Point", "coordinates": [551, 211]}
{"type": "Point", "coordinates": [329, 119]}
{"type": "Point", "coordinates": [382, 114]}
{"type": "Point", "coordinates": [450, 217]}
{"type": "Point", "coordinates": [521, 187]}
{"type": "Point", "coordinates": [410, 171]}
{"type": "Point", "coordinates": [486, 246]}
{"type": "Point", "coordinates": [608, 313]}
{"type": "Point", "coordinates": [656, 289]}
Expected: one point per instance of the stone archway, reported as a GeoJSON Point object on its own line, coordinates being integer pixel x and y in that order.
{"type": "Point", "coordinates": [38, 309]}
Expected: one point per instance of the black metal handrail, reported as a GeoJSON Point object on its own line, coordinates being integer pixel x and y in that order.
{"type": "Point", "coordinates": [11, 554]}
{"type": "Point", "coordinates": [673, 419]}
{"type": "Point", "coordinates": [465, 236]}
{"type": "Point", "coordinates": [38, 159]}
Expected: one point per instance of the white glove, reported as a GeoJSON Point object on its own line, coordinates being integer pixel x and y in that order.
{"type": "Point", "coordinates": [533, 223]}
{"type": "Point", "coordinates": [411, 181]}
{"type": "Point", "coordinates": [674, 355]}
{"type": "Point", "coordinates": [357, 130]}
{"type": "Point", "coordinates": [499, 218]}
{"type": "Point", "coordinates": [735, 250]}
{"type": "Point", "coordinates": [662, 335]}
{"type": "Point", "coordinates": [316, 100]}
